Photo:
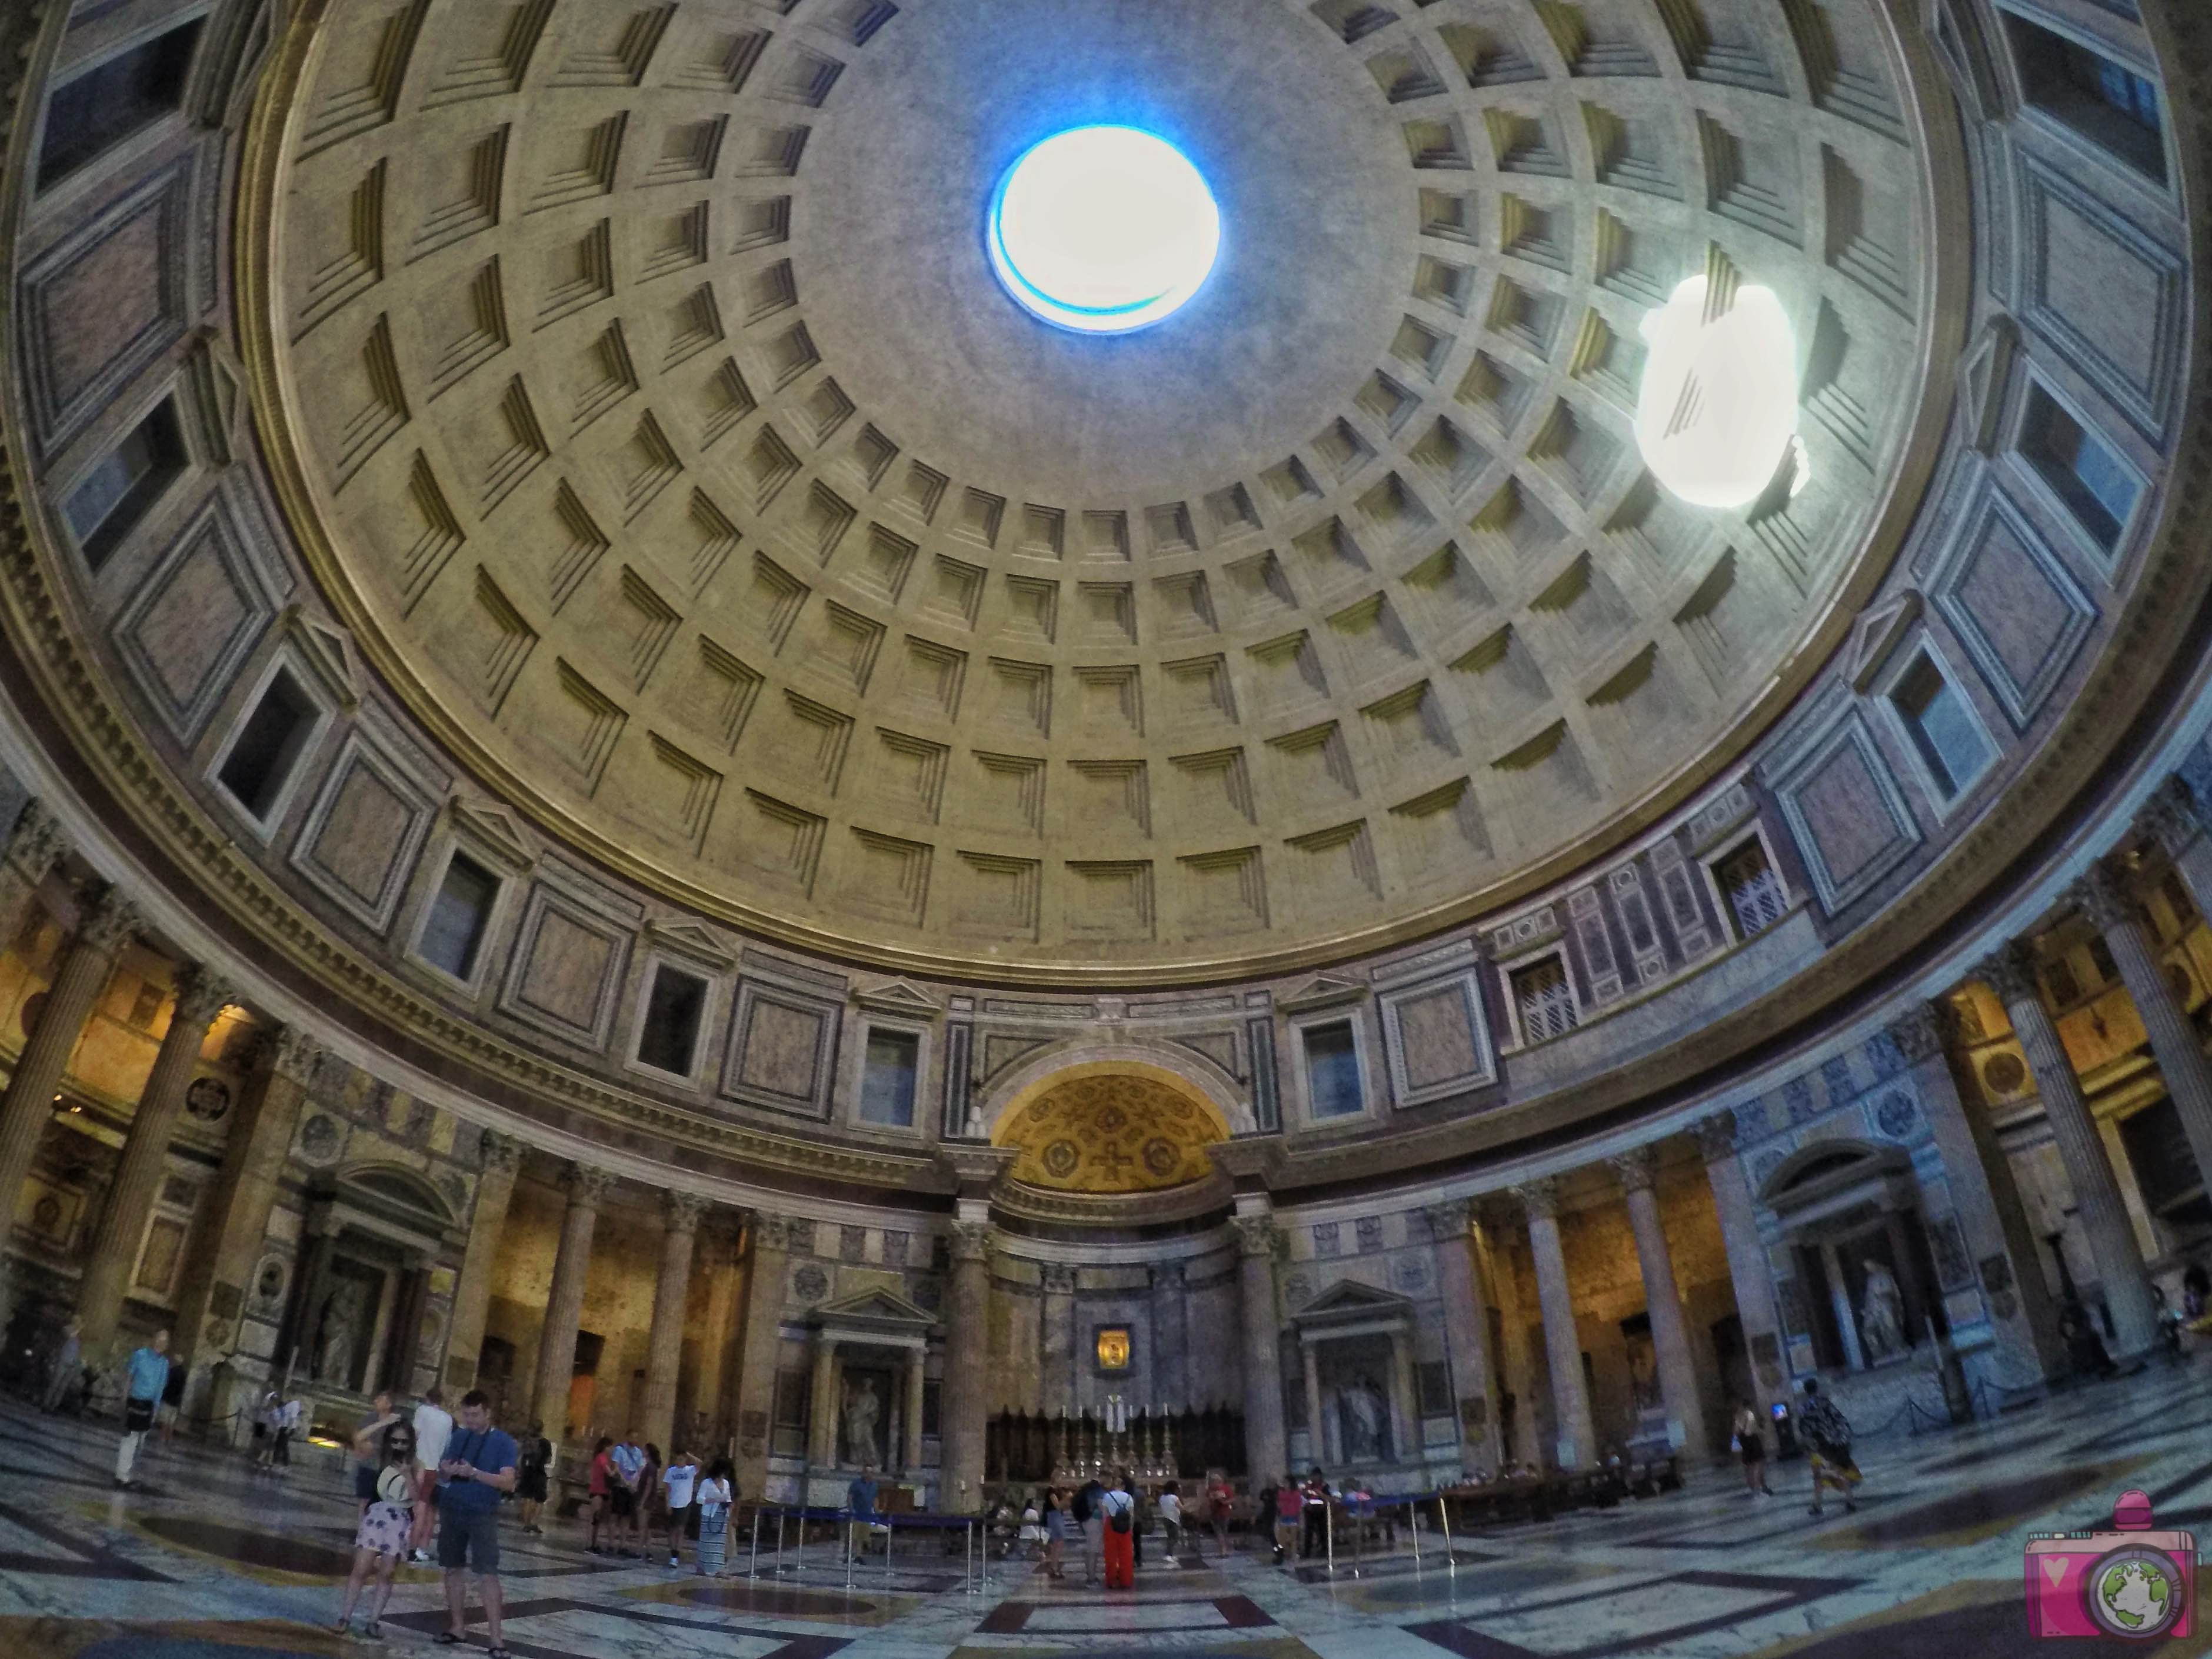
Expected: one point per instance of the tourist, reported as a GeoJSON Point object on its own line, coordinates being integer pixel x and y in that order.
{"type": "Point", "coordinates": [531, 1484]}
{"type": "Point", "coordinates": [385, 1527]}
{"type": "Point", "coordinates": [265, 1429]}
{"type": "Point", "coordinates": [715, 1496]}
{"type": "Point", "coordinates": [1315, 1495]}
{"type": "Point", "coordinates": [434, 1429]}
{"type": "Point", "coordinates": [1032, 1532]}
{"type": "Point", "coordinates": [290, 1416]}
{"type": "Point", "coordinates": [1751, 1441]}
{"type": "Point", "coordinates": [367, 1455]}
{"type": "Point", "coordinates": [678, 1483]}
{"type": "Point", "coordinates": [628, 1462]}
{"type": "Point", "coordinates": [1290, 1504]}
{"type": "Point", "coordinates": [1220, 1496]}
{"type": "Point", "coordinates": [149, 1375]}
{"type": "Point", "coordinates": [600, 1490]}
{"type": "Point", "coordinates": [860, 1509]}
{"type": "Point", "coordinates": [1170, 1523]}
{"type": "Point", "coordinates": [64, 1376]}
{"type": "Point", "coordinates": [172, 1403]}
{"type": "Point", "coordinates": [478, 1468]}
{"type": "Point", "coordinates": [1117, 1508]}
{"type": "Point", "coordinates": [1828, 1437]}
{"type": "Point", "coordinates": [1085, 1514]}
{"type": "Point", "coordinates": [1055, 1532]}
{"type": "Point", "coordinates": [651, 1502]}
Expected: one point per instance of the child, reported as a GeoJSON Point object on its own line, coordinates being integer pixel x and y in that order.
{"type": "Point", "coordinates": [1056, 1528]}
{"type": "Point", "coordinates": [1170, 1524]}
{"type": "Point", "coordinates": [1032, 1534]}
{"type": "Point", "coordinates": [385, 1525]}
{"type": "Point", "coordinates": [715, 1496]}
{"type": "Point", "coordinates": [678, 1482]}
{"type": "Point", "coordinates": [601, 1473]}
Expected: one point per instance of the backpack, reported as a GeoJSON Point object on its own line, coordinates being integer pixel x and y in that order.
{"type": "Point", "coordinates": [1119, 1520]}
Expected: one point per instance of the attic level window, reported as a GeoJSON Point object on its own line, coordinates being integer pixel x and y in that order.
{"type": "Point", "coordinates": [1543, 999]}
{"type": "Point", "coordinates": [1333, 1069]}
{"type": "Point", "coordinates": [2107, 103]}
{"type": "Point", "coordinates": [1942, 729]}
{"type": "Point", "coordinates": [668, 1037]}
{"type": "Point", "coordinates": [97, 109]}
{"type": "Point", "coordinates": [268, 745]}
{"type": "Point", "coordinates": [117, 495]}
{"type": "Point", "coordinates": [458, 917]}
{"type": "Point", "coordinates": [2085, 474]}
{"type": "Point", "coordinates": [888, 1075]}
{"type": "Point", "coordinates": [1754, 893]}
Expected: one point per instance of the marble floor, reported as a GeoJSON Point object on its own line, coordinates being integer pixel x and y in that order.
{"type": "Point", "coordinates": [207, 1560]}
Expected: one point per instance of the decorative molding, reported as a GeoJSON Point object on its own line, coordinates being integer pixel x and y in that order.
{"type": "Point", "coordinates": [38, 842]}
{"type": "Point", "coordinates": [897, 996]}
{"type": "Point", "coordinates": [692, 941]}
{"type": "Point", "coordinates": [1983, 374]}
{"type": "Point", "coordinates": [1878, 632]}
{"type": "Point", "coordinates": [492, 829]}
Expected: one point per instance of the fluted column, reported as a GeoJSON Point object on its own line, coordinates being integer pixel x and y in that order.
{"type": "Point", "coordinates": [2180, 1057]}
{"type": "Point", "coordinates": [1562, 1345]}
{"type": "Point", "coordinates": [34, 845]}
{"type": "Point", "coordinates": [1662, 1303]}
{"type": "Point", "coordinates": [917, 1378]}
{"type": "Point", "coordinates": [1318, 1448]}
{"type": "Point", "coordinates": [500, 1156]}
{"type": "Point", "coordinates": [671, 1293]}
{"type": "Point", "coordinates": [107, 922]}
{"type": "Point", "coordinates": [200, 996]}
{"type": "Point", "coordinates": [587, 1188]}
{"type": "Point", "coordinates": [822, 1404]}
{"type": "Point", "coordinates": [1985, 1197]}
{"type": "Point", "coordinates": [1266, 1454]}
{"type": "Point", "coordinates": [1058, 1320]}
{"type": "Point", "coordinates": [1494, 1266]}
{"type": "Point", "coordinates": [216, 1271]}
{"type": "Point", "coordinates": [965, 1402]}
{"type": "Point", "coordinates": [1467, 1330]}
{"type": "Point", "coordinates": [1749, 1271]}
{"type": "Point", "coordinates": [768, 1246]}
{"type": "Point", "coordinates": [2011, 974]}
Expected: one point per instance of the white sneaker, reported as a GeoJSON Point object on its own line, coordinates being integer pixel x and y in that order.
{"type": "Point", "coordinates": [674, 1561]}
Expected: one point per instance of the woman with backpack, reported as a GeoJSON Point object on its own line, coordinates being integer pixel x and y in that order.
{"type": "Point", "coordinates": [1118, 1505]}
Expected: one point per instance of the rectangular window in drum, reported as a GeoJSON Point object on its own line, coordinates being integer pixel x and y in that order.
{"type": "Point", "coordinates": [97, 109]}
{"type": "Point", "coordinates": [268, 746]}
{"type": "Point", "coordinates": [118, 493]}
{"type": "Point", "coordinates": [1943, 729]}
{"type": "Point", "coordinates": [1544, 1001]}
{"type": "Point", "coordinates": [1332, 1080]}
{"type": "Point", "coordinates": [458, 916]}
{"type": "Point", "coordinates": [2103, 100]}
{"type": "Point", "coordinates": [1754, 893]}
{"type": "Point", "coordinates": [668, 1037]}
{"type": "Point", "coordinates": [888, 1078]}
{"type": "Point", "coordinates": [2098, 489]}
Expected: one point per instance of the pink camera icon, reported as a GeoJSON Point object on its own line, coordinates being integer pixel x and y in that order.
{"type": "Point", "coordinates": [2132, 1582]}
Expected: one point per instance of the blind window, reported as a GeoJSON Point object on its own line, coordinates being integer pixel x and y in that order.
{"type": "Point", "coordinates": [455, 931]}
{"type": "Point", "coordinates": [887, 1078]}
{"type": "Point", "coordinates": [1333, 1070]}
{"type": "Point", "coordinates": [1753, 891]}
{"type": "Point", "coordinates": [1543, 1000]}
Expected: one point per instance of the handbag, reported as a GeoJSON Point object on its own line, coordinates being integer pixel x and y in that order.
{"type": "Point", "coordinates": [137, 1416]}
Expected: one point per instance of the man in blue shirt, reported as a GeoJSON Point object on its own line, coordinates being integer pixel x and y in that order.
{"type": "Point", "coordinates": [149, 1376]}
{"type": "Point", "coordinates": [860, 1504]}
{"type": "Point", "coordinates": [478, 1466]}
{"type": "Point", "coordinates": [624, 1499]}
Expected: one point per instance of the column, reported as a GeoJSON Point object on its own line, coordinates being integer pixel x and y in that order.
{"type": "Point", "coordinates": [2181, 1059]}
{"type": "Point", "coordinates": [307, 1274]}
{"type": "Point", "coordinates": [1986, 1200]}
{"type": "Point", "coordinates": [34, 845]}
{"type": "Point", "coordinates": [501, 1156]}
{"type": "Point", "coordinates": [822, 1404]}
{"type": "Point", "coordinates": [671, 1294]}
{"type": "Point", "coordinates": [1662, 1303]}
{"type": "Point", "coordinates": [211, 1301]}
{"type": "Point", "coordinates": [768, 1246]}
{"type": "Point", "coordinates": [1318, 1448]}
{"type": "Point", "coordinates": [1170, 1337]}
{"type": "Point", "coordinates": [2011, 974]}
{"type": "Point", "coordinates": [706, 1399]}
{"type": "Point", "coordinates": [2173, 818]}
{"type": "Point", "coordinates": [1405, 1398]}
{"type": "Point", "coordinates": [200, 996]}
{"type": "Point", "coordinates": [1562, 1347]}
{"type": "Point", "coordinates": [564, 1301]}
{"type": "Point", "coordinates": [103, 926]}
{"type": "Point", "coordinates": [917, 1376]}
{"type": "Point", "coordinates": [1058, 1337]}
{"type": "Point", "coordinates": [1839, 1303]}
{"type": "Point", "coordinates": [403, 1344]}
{"type": "Point", "coordinates": [1466, 1331]}
{"type": "Point", "coordinates": [1266, 1454]}
{"type": "Point", "coordinates": [1748, 1270]}
{"type": "Point", "coordinates": [965, 1401]}
{"type": "Point", "coordinates": [1494, 1261]}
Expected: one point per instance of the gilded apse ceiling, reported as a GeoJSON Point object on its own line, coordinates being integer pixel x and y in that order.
{"type": "Point", "coordinates": [635, 379]}
{"type": "Point", "coordinates": [1105, 1135]}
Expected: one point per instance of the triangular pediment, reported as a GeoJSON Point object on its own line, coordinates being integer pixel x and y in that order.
{"type": "Point", "coordinates": [875, 1309]}
{"type": "Point", "coordinates": [1877, 632]}
{"type": "Point", "coordinates": [1349, 1301]}
{"type": "Point", "coordinates": [897, 996]}
{"type": "Point", "coordinates": [1323, 989]}
{"type": "Point", "coordinates": [328, 650]}
{"type": "Point", "coordinates": [1983, 373]}
{"type": "Point", "coordinates": [689, 938]}
{"type": "Point", "coordinates": [494, 831]}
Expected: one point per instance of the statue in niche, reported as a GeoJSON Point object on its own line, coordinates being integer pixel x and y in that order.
{"type": "Point", "coordinates": [1363, 1417]}
{"type": "Point", "coordinates": [339, 1331]}
{"type": "Point", "coordinates": [1882, 1314]}
{"type": "Point", "coordinates": [862, 1409]}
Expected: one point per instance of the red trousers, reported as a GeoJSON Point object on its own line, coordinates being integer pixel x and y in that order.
{"type": "Point", "coordinates": [1120, 1560]}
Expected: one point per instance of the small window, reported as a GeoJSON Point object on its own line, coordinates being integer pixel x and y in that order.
{"type": "Point", "coordinates": [2107, 103]}
{"type": "Point", "coordinates": [1942, 728]}
{"type": "Point", "coordinates": [117, 495]}
{"type": "Point", "coordinates": [458, 916]}
{"type": "Point", "coordinates": [268, 745]}
{"type": "Point", "coordinates": [887, 1078]}
{"type": "Point", "coordinates": [2097, 488]}
{"type": "Point", "coordinates": [668, 1037]}
{"type": "Point", "coordinates": [1332, 1081]}
{"type": "Point", "coordinates": [96, 110]}
{"type": "Point", "coordinates": [1754, 893]}
{"type": "Point", "coordinates": [1543, 999]}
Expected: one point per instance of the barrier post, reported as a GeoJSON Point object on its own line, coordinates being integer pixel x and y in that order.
{"type": "Point", "coordinates": [1413, 1527]}
{"type": "Point", "coordinates": [889, 1523]}
{"type": "Point", "coordinates": [1329, 1535]}
{"type": "Point", "coordinates": [1358, 1541]}
{"type": "Point", "coordinates": [968, 1558]}
{"type": "Point", "coordinates": [779, 1540]}
{"type": "Point", "coordinates": [847, 1529]}
{"type": "Point", "coordinates": [800, 1566]}
{"type": "Point", "coordinates": [753, 1570]}
{"type": "Point", "coordinates": [1444, 1518]}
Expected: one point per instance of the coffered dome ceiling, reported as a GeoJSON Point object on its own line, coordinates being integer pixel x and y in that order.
{"type": "Point", "coordinates": [636, 379]}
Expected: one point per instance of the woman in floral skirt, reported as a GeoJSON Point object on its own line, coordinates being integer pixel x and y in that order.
{"type": "Point", "coordinates": [380, 1541]}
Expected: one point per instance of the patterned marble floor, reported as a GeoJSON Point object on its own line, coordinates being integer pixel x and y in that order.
{"type": "Point", "coordinates": [206, 1560]}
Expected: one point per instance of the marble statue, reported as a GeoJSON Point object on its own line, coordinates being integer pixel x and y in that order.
{"type": "Point", "coordinates": [1366, 1419]}
{"type": "Point", "coordinates": [862, 1409]}
{"type": "Point", "coordinates": [335, 1337]}
{"type": "Point", "coordinates": [1882, 1314]}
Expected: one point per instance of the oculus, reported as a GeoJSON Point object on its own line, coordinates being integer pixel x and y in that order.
{"type": "Point", "coordinates": [1102, 230]}
{"type": "Point", "coordinates": [1717, 414]}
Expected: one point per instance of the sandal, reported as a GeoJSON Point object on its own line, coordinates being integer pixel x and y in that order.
{"type": "Point", "coordinates": [447, 1639]}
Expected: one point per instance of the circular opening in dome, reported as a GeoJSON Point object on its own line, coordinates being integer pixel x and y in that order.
{"type": "Point", "coordinates": [1102, 230]}
{"type": "Point", "coordinates": [1717, 413]}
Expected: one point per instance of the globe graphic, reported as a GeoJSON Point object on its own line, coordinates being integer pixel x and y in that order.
{"type": "Point", "coordinates": [2134, 1593]}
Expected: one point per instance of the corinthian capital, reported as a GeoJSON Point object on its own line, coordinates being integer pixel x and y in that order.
{"type": "Point", "coordinates": [1717, 1135]}
{"type": "Point", "coordinates": [1539, 1197]}
{"type": "Point", "coordinates": [587, 1184]}
{"type": "Point", "coordinates": [38, 842]}
{"type": "Point", "coordinates": [681, 1210]}
{"type": "Point", "coordinates": [770, 1231]}
{"type": "Point", "coordinates": [2101, 897]}
{"type": "Point", "coordinates": [2171, 817]}
{"type": "Point", "coordinates": [2010, 972]}
{"type": "Point", "coordinates": [1636, 1169]}
{"type": "Point", "coordinates": [971, 1241]}
{"type": "Point", "coordinates": [1256, 1234]}
{"type": "Point", "coordinates": [1449, 1219]}
{"type": "Point", "coordinates": [1918, 1032]}
{"type": "Point", "coordinates": [294, 1055]}
{"type": "Point", "coordinates": [501, 1154]}
{"type": "Point", "coordinates": [109, 921]}
{"type": "Point", "coordinates": [201, 993]}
